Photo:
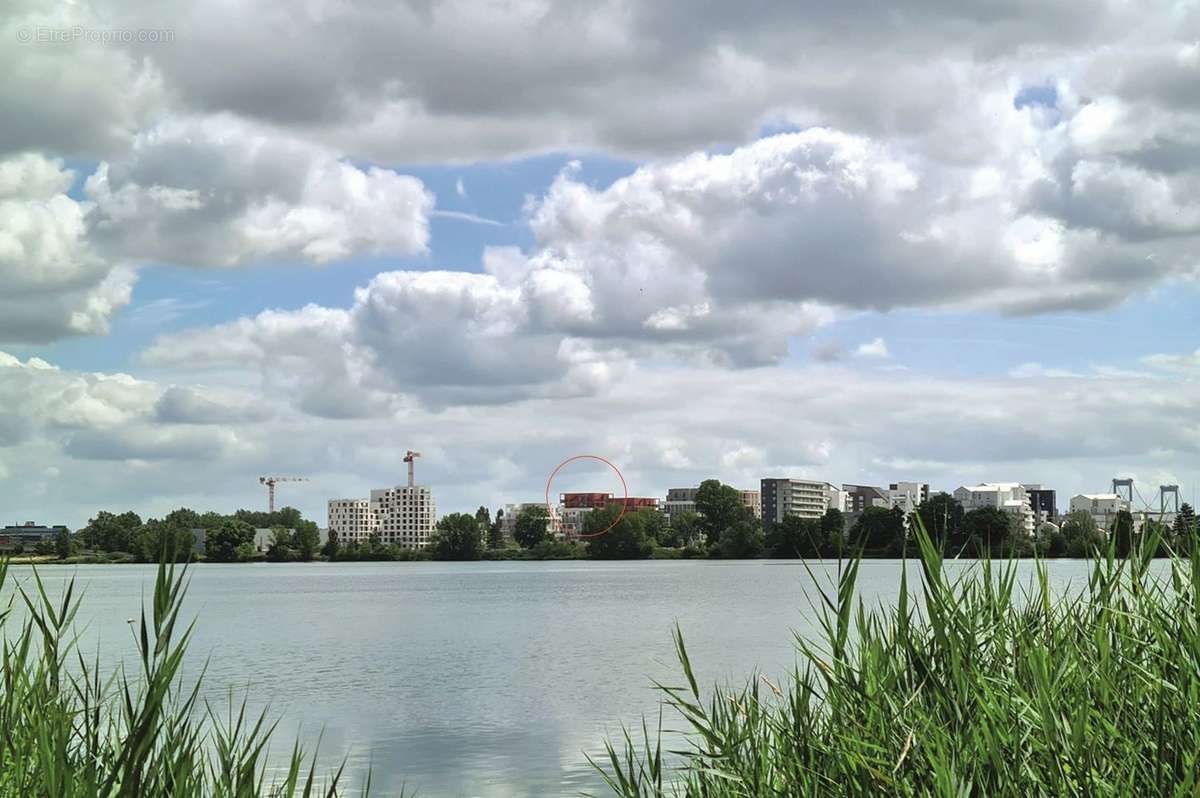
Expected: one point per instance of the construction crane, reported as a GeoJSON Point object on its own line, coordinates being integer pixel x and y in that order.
{"type": "Point", "coordinates": [270, 482]}
{"type": "Point", "coordinates": [410, 457]}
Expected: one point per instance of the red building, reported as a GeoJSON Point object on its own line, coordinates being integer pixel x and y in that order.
{"type": "Point", "coordinates": [598, 501]}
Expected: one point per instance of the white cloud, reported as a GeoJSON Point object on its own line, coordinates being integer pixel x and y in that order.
{"type": "Point", "coordinates": [217, 191]}
{"type": "Point", "coordinates": [1187, 364]}
{"type": "Point", "coordinates": [824, 421]}
{"type": "Point", "coordinates": [52, 282]}
{"type": "Point", "coordinates": [873, 349]}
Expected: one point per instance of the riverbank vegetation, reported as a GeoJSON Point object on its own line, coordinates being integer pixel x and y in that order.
{"type": "Point", "coordinates": [973, 683]}
{"type": "Point", "coordinates": [68, 730]}
{"type": "Point", "coordinates": [722, 527]}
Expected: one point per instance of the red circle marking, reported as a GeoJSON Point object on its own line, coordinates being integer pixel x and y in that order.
{"type": "Point", "coordinates": [617, 471]}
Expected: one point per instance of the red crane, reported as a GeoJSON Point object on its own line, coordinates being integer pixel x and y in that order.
{"type": "Point", "coordinates": [410, 458]}
{"type": "Point", "coordinates": [270, 483]}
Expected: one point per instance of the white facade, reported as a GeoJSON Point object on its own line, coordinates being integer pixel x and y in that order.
{"type": "Point", "coordinates": [352, 519]}
{"type": "Point", "coordinates": [404, 515]}
{"type": "Point", "coordinates": [907, 496]}
{"type": "Point", "coordinates": [1098, 504]}
{"type": "Point", "coordinates": [802, 498]}
{"type": "Point", "coordinates": [508, 524]}
{"type": "Point", "coordinates": [1008, 496]}
{"type": "Point", "coordinates": [407, 515]}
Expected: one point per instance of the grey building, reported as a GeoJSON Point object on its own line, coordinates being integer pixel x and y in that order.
{"type": "Point", "coordinates": [860, 497]}
{"type": "Point", "coordinates": [803, 498]}
{"type": "Point", "coordinates": [27, 534]}
{"type": "Point", "coordinates": [1043, 502]}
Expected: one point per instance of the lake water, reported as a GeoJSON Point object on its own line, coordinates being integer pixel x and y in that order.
{"type": "Point", "coordinates": [472, 679]}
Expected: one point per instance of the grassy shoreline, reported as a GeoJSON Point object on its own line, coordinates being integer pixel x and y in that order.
{"type": "Point", "coordinates": [972, 684]}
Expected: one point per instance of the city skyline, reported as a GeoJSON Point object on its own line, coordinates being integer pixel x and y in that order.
{"type": "Point", "coordinates": [745, 248]}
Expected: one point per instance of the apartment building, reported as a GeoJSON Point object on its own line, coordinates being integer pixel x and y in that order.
{"type": "Point", "coordinates": [1010, 497]}
{"type": "Point", "coordinates": [860, 497]}
{"type": "Point", "coordinates": [1043, 502]}
{"type": "Point", "coordinates": [1103, 507]}
{"type": "Point", "coordinates": [803, 498]}
{"type": "Point", "coordinates": [404, 515]}
{"type": "Point", "coordinates": [683, 500]}
{"type": "Point", "coordinates": [407, 515]}
{"type": "Point", "coordinates": [352, 520]}
{"type": "Point", "coordinates": [908, 496]}
{"type": "Point", "coordinates": [508, 521]}
{"type": "Point", "coordinates": [574, 507]}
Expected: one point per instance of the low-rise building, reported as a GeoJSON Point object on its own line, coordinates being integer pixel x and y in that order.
{"type": "Point", "coordinates": [1007, 496]}
{"type": "Point", "coordinates": [859, 497]}
{"type": "Point", "coordinates": [508, 521]}
{"type": "Point", "coordinates": [683, 500]}
{"type": "Point", "coordinates": [27, 534]}
{"type": "Point", "coordinates": [1103, 507]}
{"type": "Point", "coordinates": [574, 507]}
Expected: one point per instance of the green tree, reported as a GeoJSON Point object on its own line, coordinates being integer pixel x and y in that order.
{"type": "Point", "coordinates": [331, 547]}
{"type": "Point", "coordinates": [658, 528]}
{"type": "Point", "coordinates": [230, 541]}
{"type": "Point", "coordinates": [183, 517]}
{"type": "Point", "coordinates": [62, 543]}
{"type": "Point", "coordinates": [942, 515]}
{"type": "Point", "coordinates": [307, 540]}
{"type": "Point", "coordinates": [1081, 536]}
{"type": "Point", "coordinates": [795, 537]}
{"type": "Point", "coordinates": [161, 540]}
{"type": "Point", "coordinates": [1122, 532]}
{"type": "Point", "coordinates": [721, 507]}
{"type": "Point", "coordinates": [1185, 525]}
{"type": "Point", "coordinates": [879, 530]}
{"type": "Point", "coordinates": [532, 527]}
{"type": "Point", "coordinates": [496, 531]}
{"type": "Point", "coordinates": [109, 532]}
{"type": "Point", "coordinates": [280, 547]}
{"type": "Point", "coordinates": [687, 528]}
{"type": "Point", "coordinates": [628, 540]}
{"type": "Point", "coordinates": [484, 516]}
{"type": "Point", "coordinates": [988, 530]}
{"type": "Point", "coordinates": [458, 537]}
{"type": "Point", "coordinates": [742, 539]}
{"type": "Point", "coordinates": [1051, 541]}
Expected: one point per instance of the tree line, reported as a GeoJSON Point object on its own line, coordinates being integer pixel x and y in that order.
{"type": "Point", "coordinates": [721, 527]}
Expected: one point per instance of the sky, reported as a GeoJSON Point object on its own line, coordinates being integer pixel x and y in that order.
{"type": "Point", "coordinates": [946, 243]}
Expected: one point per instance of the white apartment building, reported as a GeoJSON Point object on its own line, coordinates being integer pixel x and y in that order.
{"type": "Point", "coordinates": [803, 498]}
{"type": "Point", "coordinates": [404, 515]}
{"type": "Point", "coordinates": [1008, 496]}
{"type": "Point", "coordinates": [352, 519]}
{"type": "Point", "coordinates": [508, 522]}
{"type": "Point", "coordinates": [1103, 507]}
{"type": "Point", "coordinates": [907, 495]}
{"type": "Point", "coordinates": [407, 515]}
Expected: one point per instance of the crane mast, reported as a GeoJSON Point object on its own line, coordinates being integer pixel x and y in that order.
{"type": "Point", "coordinates": [270, 482]}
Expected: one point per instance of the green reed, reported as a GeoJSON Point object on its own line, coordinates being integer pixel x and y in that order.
{"type": "Point", "coordinates": [66, 730]}
{"type": "Point", "coordinates": [975, 684]}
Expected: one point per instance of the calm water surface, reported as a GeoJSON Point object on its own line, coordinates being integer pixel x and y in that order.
{"type": "Point", "coordinates": [472, 679]}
